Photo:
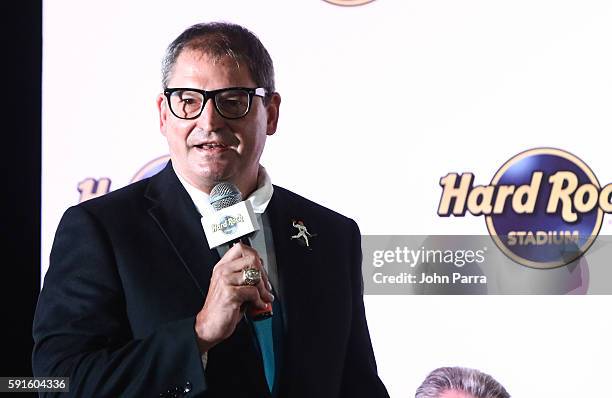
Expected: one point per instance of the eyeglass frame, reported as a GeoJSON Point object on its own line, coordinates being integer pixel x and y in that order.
{"type": "Point", "coordinates": [252, 92]}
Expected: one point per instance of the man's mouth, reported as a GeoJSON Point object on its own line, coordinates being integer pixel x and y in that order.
{"type": "Point", "coordinates": [212, 146]}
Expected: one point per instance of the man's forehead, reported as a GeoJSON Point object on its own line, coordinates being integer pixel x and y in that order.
{"type": "Point", "coordinates": [201, 64]}
{"type": "Point", "coordinates": [227, 60]}
{"type": "Point", "coordinates": [455, 394]}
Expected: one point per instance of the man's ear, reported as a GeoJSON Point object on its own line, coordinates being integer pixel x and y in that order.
{"type": "Point", "coordinates": [272, 109]}
{"type": "Point", "coordinates": [162, 107]}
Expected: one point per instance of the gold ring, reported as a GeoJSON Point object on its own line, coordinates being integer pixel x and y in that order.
{"type": "Point", "coordinates": [251, 276]}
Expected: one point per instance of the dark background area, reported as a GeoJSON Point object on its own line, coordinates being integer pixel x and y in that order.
{"type": "Point", "coordinates": [21, 171]}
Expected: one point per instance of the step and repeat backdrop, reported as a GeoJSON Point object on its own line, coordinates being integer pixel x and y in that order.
{"type": "Point", "coordinates": [468, 139]}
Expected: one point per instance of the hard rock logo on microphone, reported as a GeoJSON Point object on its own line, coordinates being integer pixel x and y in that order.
{"type": "Point", "coordinates": [543, 208]}
{"type": "Point", "coordinates": [228, 224]}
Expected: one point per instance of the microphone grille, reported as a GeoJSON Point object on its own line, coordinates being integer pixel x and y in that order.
{"type": "Point", "coordinates": [224, 194]}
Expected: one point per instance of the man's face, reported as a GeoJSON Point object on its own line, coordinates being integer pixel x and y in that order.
{"type": "Point", "coordinates": [211, 149]}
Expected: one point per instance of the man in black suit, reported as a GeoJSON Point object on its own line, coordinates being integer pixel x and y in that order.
{"type": "Point", "coordinates": [136, 303]}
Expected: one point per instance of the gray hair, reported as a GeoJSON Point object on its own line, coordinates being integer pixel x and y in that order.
{"type": "Point", "coordinates": [219, 39]}
{"type": "Point", "coordinates": [470, 381]}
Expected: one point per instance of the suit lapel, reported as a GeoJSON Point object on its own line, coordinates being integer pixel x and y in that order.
{"type": "Point", "coordinates": [177, 217]}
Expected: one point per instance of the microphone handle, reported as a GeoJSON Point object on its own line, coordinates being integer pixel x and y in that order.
{"type": "Point", "coordinates": [243, 239]}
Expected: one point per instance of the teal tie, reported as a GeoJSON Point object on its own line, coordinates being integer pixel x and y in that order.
{"type": "Point", "coordinates": [268, 333]}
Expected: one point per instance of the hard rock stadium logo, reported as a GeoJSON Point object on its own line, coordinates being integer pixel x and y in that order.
{"type": "Point", "coordinates": [543, 208]}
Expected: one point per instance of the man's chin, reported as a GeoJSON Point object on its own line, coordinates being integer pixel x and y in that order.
{"type": "Point", "coordinates": [213, 177]}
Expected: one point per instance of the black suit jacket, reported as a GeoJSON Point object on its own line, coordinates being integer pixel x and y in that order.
{"type": "Point", "coordinates": [130, 270]}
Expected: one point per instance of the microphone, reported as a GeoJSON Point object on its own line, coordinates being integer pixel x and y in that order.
{"type": "Point", "coordinates": [236, 220]}
{"type": "Point", "coordinates": [232, 220]}
{"type": "Point", "coordinates": [224, 195]}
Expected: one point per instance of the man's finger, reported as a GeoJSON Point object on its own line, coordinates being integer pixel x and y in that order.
{"type": "Point", "coordinates": [237, 251]}
{"type": "Point", "coordinates": [265, 288]}
{"type": "Point", "coordinates": [249, 294]}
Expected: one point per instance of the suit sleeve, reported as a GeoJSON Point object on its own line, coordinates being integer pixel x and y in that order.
{"type": "Point", "coordinates": [360, 377]}
{"type": "Point", "coordinates": [81, 329]}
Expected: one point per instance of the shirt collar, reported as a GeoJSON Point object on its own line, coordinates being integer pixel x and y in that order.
{"type": "Point", "coordinates": [259, 198]}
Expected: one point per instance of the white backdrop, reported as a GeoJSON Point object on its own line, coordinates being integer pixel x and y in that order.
{"type": "Point", "coordinates": [385, 97]}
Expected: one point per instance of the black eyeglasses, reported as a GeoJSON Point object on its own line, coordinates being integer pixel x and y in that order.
{"type": "Point", "coordinates": [231, 102]}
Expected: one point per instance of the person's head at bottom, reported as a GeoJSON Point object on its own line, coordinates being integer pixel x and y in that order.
{"type": "Point", "coordinates": [457, 382]}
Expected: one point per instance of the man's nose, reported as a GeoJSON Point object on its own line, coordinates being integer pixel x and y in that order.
{"type": "Point", "coordinates": [210, 119]}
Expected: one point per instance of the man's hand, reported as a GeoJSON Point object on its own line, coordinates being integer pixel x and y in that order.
{"type": "Point", "coordinates": [228, 298]}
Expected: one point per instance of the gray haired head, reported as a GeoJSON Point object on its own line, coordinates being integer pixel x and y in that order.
{"type": "Point", "coordinates": [220, 39]}
{"type": "Point", "coordinates": [470, 381]}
